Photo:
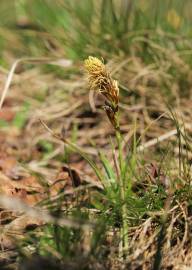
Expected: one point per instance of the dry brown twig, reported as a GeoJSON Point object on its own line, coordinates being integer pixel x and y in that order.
{"type": "Point", "coordinates": [29, 60]}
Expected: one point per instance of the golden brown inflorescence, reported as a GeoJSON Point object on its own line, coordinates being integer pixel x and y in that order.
{"type": "Point", "coordinates": [100, 79]}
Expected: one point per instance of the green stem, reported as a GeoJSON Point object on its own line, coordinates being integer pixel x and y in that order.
{"type": "Point", "coordinates": [124, 231]}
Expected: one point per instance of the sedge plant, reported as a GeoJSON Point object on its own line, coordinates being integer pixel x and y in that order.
{"type": "Point", "coordinates": [101, 80]}
{"type": "Point", "coordinates": [116, 196]}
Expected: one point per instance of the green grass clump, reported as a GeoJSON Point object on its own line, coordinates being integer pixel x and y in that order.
{"type": "Point", "coordinates": [108, 25]}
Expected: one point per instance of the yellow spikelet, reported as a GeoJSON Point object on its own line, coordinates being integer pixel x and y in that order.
{"type": "Point", "coordinates": [100, 79]}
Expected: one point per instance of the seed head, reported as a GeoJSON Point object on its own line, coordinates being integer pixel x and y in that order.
{"type": "Point", "coordinates": [100, 79]}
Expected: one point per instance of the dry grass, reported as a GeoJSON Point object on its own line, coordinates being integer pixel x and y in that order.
{"type": "Point", "coordinates": [147, 92]}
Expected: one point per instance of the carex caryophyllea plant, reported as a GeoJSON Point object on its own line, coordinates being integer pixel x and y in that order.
{"type": "Point", "coordinates": [101, 80]}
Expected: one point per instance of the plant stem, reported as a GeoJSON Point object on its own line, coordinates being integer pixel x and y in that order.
{"type": "Point", "coordinates": [124, 231]}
